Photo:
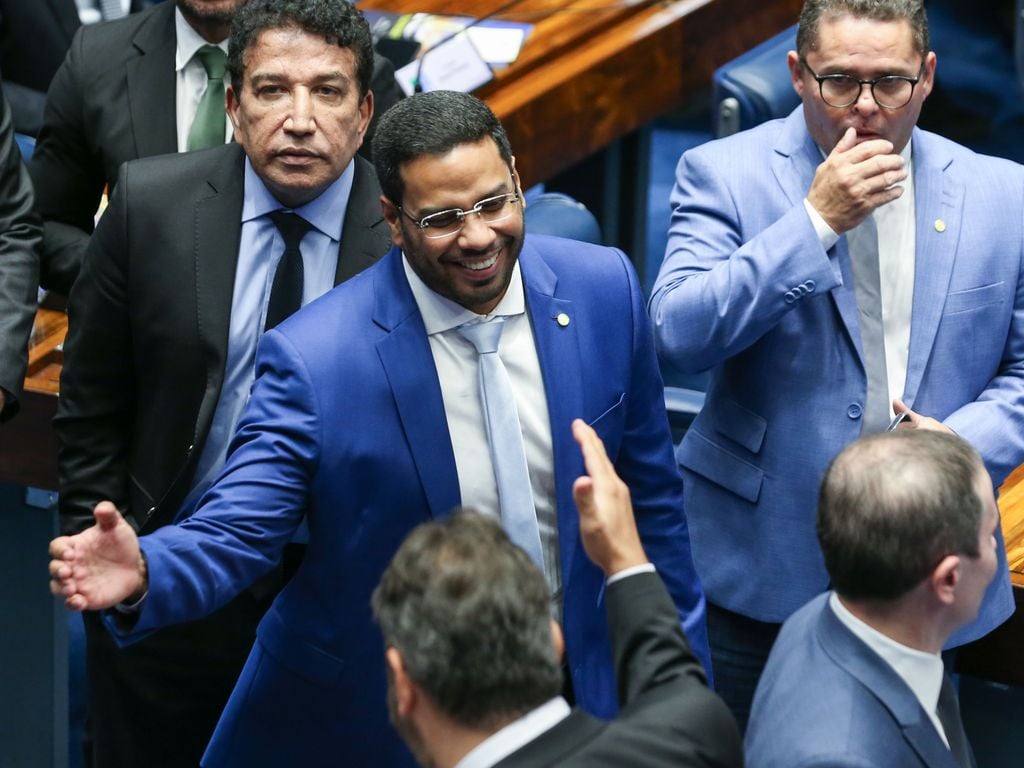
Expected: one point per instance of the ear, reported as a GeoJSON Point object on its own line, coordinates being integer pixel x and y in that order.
{"type": "Point", "coordinates": [558, 640]}
{"type": "Point", "coordinates": [515, 180]}
{"type": "Point", "coordinates": [404, 688]}
{"type": "Point", "coordinates": [928, 76]}
{"type": "Point", "coordinates": [796, 72]}
{"type": "Point", "coordinates": [365, 114]}
{"type": "Point", "coordinates": [393, 217]}
{"type": "Point", "coordinates": [231, 106]}
{"type": "Point", "coordinates": [945, 579]}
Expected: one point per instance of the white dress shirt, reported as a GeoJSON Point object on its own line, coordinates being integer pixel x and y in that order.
{"type": "Point", "coordinates": [190, 77]}
{"type": "Point", "coordinates": [896, 263]}
{"type": "Point", "coordinates": [922, 672]}
{"type": "Point", "coordinates": [516, 734]}
{"type": "Point", "coordinates": [457, 369]}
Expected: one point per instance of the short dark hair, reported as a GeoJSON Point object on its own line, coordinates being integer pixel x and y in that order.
{"type": "Point", "coordinates": [880, 10]}
{"type": "Point", "coordinates": [431, 123]}
{"type": "Point", "coordinates": [892, 506]}
{"type": "Point", "coordinates": [469, 613]}
{"type": "Point", "coordinates": [337, 21]}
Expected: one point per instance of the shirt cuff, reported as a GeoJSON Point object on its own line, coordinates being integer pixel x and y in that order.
{"type": "Point", "coordinates": [625, 573]}
{"type": "Point", "coordinates": [131, 609]}
{"type": "Point", "coordinates": [826, 235]}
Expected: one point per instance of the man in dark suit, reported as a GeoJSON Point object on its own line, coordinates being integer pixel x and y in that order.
{"type": "Point", "coordinates": [116, 98]}
{"type": "Point", "coordinates": [373, 411]}
{"type": "Point", "coordinates": [473, 655]}
{"type": "Point", "coordinates": [177, 285]}
{"type": "Point", "coordinates": [907, 524]}
{"type": "Point", "coordinates": [20, 235]}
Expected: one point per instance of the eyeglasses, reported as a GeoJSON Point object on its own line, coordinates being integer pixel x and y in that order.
{"type": "Point", "coordinates": [841, 91]}
{"type": "Point", "coordinates": [449, 223]}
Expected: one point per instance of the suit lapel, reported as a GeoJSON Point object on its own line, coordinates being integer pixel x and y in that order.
{"type": "Point", "coordinates": [216, 216]}
{"type": "Point", "coordinates": [937, 198]}
{"type": "Point", "coordinates": [151, 85]}
{"type": "Point", "coordinates": [558, 352]}
{"type": "Point", "coordinates": [794, 163]}
{"type": "Point", "coordinates": [409, 366]}
{"type": "Point", "coordinates": [365, 235]}
{"type": "Point", "coordinates": [881, 682]}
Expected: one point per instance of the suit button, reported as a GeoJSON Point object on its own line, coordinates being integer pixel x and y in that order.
{"type": "Point", "coordinates": [790, 297]}
{"type": "Point", "coordinates": [854, 411]}
{"type": "Point", "coordinates": [150, 511]}
{"type": "Point", "coordinates": [809, 286]}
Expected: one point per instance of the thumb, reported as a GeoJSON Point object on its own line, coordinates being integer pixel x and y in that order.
{"type": "Point", "coordinates": [898, 406]}
{"type": "Point", "coordinates": [583, 495]}
{"type": "Point", "coordinates": [848, 140]}
{"type": "Point", "coordinates": [106, 515]}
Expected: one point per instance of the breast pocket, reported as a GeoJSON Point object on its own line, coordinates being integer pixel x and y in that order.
{"type": "Point", "coordinates": [973, 299]}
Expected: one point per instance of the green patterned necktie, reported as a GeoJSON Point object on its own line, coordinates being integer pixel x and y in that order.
{"type": "Point", "coordinates": [208, 125]}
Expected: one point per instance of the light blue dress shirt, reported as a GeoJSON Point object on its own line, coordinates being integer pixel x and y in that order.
{"type": "Point", "coordinates": [259, 251]}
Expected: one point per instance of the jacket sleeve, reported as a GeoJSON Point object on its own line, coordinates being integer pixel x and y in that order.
{"type": "Point", "coordinates": [19, 264]}
{"type": "Point", "coordinates": [97, 386]}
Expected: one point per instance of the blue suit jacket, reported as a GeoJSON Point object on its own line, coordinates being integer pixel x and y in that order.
{"type": "Point", "coordinates": [346, 426]}
{"type": "Point", "coordinates": [826, 699]}
{"type": "Point", "coordinates": [747, 291]}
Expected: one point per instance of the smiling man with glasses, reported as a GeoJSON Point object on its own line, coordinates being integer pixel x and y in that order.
{"type": "Point", "coordinates": [447, 374]}
{"type": "Point", "coordinates": [832, 268]}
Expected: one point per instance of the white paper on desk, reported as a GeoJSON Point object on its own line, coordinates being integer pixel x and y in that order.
{"type": "Point", "coordinates": [454, 65]}
{"type": "Point", "coordinates": [500, 44]}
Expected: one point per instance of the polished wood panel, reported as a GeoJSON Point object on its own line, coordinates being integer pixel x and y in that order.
{"type": "Point", "coordinates": [594, 70]}
{"type": "Point", "coordinates": [28, 446]}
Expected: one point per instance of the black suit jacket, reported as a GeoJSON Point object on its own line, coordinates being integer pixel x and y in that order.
{"type": "Point", "coordinates": [668, 716]}
{"type": "Point", "coordinates": [113, 100]}
{"type": "Point", "coordinates": [34, 37]}
{"type": "Point", "coordinates": [19, 263]}
{"type": "Point", "coordinates": [148, 329]}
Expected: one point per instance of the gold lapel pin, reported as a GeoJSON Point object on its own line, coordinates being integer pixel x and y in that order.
{"type": "Point", "coordinates": [940, 225]}
{"type": "Point", "coordinates": [562, 319]}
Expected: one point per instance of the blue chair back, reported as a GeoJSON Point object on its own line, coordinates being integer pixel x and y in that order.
{"type": "Point", "coordinates": [754, 87]}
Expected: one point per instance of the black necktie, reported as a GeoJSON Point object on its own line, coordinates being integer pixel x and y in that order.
{"type": "Point", "coordinates": [948, 711]}
{"type": "Point", "coordinates": [286, 293]}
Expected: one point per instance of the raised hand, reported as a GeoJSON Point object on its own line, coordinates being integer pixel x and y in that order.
{"type": "Point", "coordinates": [99, 567]}
{"type": "Point", "coordinates": [854, 180]}
{"type": "Point", "coordinates": [607, 526]}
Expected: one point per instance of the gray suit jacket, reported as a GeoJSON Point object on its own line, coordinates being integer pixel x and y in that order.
{"type": "Point", "coordinates": [113, 100]}
{"type": "Point", "coordinates": [148, 329]}
{"type": "Point", "coordinates": [19, 263]}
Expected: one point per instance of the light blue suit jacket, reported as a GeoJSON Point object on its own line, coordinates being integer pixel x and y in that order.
{"type": "Point", "coordinates": [747, 291]}
{"type": "Point", "coordinates": [346, 426]}
{"type": "Point", "coordinates": [827, 700]}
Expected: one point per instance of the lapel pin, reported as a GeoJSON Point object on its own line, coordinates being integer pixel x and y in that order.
{"type": "Point", "coordinates": [562, 319]}
{"type": "Point", "coordinates": [940, 225]}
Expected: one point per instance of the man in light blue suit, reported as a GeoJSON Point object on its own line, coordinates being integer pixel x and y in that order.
{"type": "Point", "coordinates": [767, 283]}
{"type": "Point", "coordinates": [365, 419]}
{"type": "Point", "coordinates": [907, 525]}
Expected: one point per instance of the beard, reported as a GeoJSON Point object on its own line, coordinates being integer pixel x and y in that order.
{"type": "Point", "coordinates": [216, 12]}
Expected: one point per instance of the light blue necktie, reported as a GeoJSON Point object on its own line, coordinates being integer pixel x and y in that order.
{"type": "Point", "coordinates": [505, 438]}
{"type": "Point", "coordinates": [867, 285]}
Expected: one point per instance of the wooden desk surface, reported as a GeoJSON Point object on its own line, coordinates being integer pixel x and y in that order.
{"type": "Point", "coordinates": [594, 70]}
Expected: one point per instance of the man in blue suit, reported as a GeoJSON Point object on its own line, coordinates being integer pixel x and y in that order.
{"type": "Point", "coordinates": [907, 523]}
{"type": "Point", "coordinates": [366, 419]}
{"type": "Point", "coordinates": [823, 267]}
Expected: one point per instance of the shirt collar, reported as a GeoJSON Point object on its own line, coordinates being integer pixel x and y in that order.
{"type": "Point", "coordinates": [516, 734]}
{"type": "Point", "coordinates": [321, 211]}
{"type": "Point", "coordinates": [441, 314]}
{"type": "Point", "coordinates": [922, 672]}
{"type": "Point", "coordinates": [188, 41]}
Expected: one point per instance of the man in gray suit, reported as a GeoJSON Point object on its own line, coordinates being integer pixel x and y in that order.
{"type": "Point", "coordinates": [178, 283]}
{"type": "Point", "coordinates": [473, 655]}
{"type": "Point", "coordinates": [907, 523]}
